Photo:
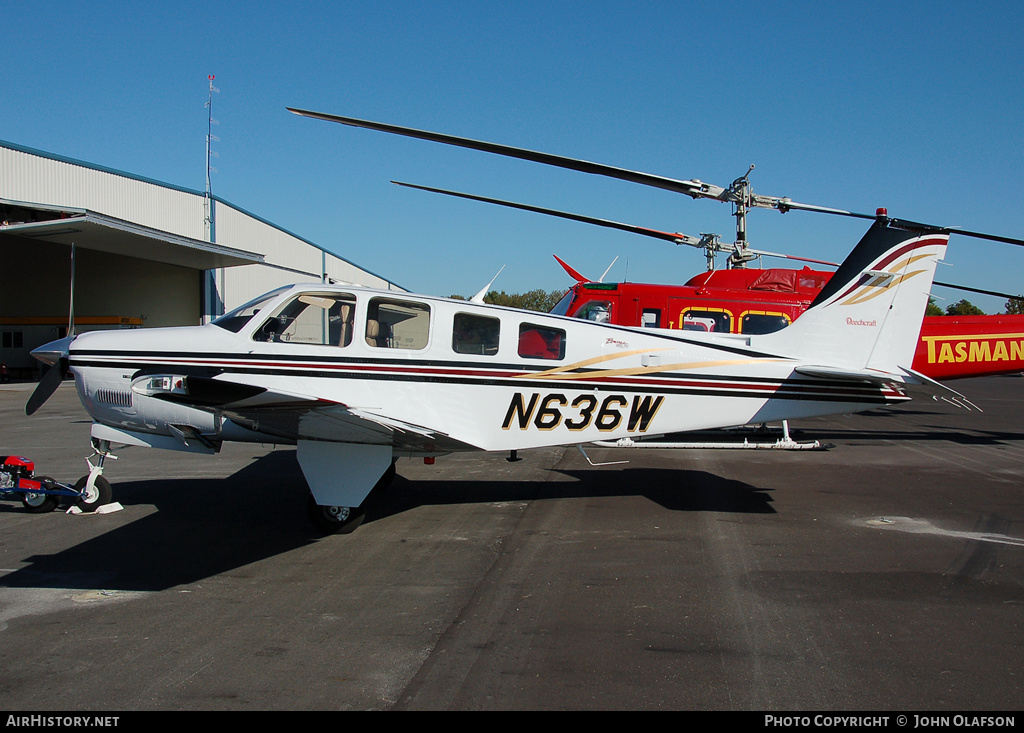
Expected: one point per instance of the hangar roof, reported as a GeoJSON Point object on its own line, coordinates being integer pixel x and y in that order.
{"type": "Point", "coordinates": [91, 230]}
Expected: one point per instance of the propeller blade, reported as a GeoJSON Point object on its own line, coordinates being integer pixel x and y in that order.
{"type": "Point", "coordinates": [55, 354]}
{"type": "Point", "coordinates": [46, 387]}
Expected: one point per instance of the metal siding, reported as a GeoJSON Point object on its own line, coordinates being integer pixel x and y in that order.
{"type": "Point", "coordinates": [35, 178]}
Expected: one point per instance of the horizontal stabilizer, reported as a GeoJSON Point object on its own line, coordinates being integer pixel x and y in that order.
{"type": "Point", "coordinates": [858, 375]}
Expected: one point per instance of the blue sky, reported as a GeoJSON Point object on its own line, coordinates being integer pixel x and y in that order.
{"type": "Point", "coordinates": [914, 106]}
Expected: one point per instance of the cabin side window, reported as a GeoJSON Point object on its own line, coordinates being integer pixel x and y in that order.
{"type": "Point", "coordinates": [472, 334]}
{"type": "Point", "coordinates": [397, 324]}
{"type": "Point", "coordinates": [323, 319]}
{"type": "Point", "coordinates": [755, 323]}
{"type": "Point", "coordinates": [717, 321]}
{"type": "Point", "coordinates": [651, 318]}
{"type": "Point", "coordinates": [540, 342]}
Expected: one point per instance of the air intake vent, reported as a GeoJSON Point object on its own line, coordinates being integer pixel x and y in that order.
{"type": "Point", "coordinates": [114, 397]}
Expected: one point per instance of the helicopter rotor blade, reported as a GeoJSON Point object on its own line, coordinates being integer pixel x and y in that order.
{"type": "Point", "coordinates": [667, 236]}
{"type": "Point", "coordinates": [695, 188]}
{"type": "Point", "coordinates": [979, 291]}
{"type": "Point", "coordinates": [706, 241]}
{"type": "Point", "coordinates": [762, 253]}
{"type": "Point", "coordinates": [738, 193]}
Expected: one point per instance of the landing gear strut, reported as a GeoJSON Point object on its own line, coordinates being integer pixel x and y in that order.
{"type": "Point", "coordinates": [344, 519]}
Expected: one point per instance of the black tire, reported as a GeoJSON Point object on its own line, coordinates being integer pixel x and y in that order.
{"type": "Point", "coordinates": [100, 495]}
{"type": "Point", "coordinates": [40, 503]}
{"type": "Point", "coordinates": [333, 519]}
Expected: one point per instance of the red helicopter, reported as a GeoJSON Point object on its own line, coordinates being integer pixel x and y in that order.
{"type": "Point", "coordinates": [739, 299]}
{"type": "Point", "coordinates": [761, 301]}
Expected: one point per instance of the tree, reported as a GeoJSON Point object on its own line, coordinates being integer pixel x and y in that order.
{"type": "Point", "coordinates": [1015, 306]}
{"type": "Point", "coordinates": [932, 309]}
{"type": "Point", "coordinates": [536, 300]}
{"type": "Point", "coordinates": [964, 308]}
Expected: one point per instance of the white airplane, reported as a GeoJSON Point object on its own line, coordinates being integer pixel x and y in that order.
{"type": "Point", "coordinates": [357, 378]}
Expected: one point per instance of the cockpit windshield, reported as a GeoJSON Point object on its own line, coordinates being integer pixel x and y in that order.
{"type": "Point", "coordinates": [236, 319]}
{"type": "Point", "coordinates": [562, 306]}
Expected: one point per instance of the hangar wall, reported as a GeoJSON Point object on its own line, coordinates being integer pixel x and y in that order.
{"type": "Point", "coordinates": [109, 287]}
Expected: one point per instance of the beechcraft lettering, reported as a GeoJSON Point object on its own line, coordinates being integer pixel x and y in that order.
{"type": "Point", "coordinates": [552, 410]}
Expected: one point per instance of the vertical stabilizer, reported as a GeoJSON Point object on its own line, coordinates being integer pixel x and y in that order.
{"type": "Point", "coordinates": [869, 314]}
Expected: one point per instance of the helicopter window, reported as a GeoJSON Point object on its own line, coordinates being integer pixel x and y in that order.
{"type": "Point", "coordinates": [717, 321]}
{"type": "Point", "coordinates": [475, 334]}
{"type": "Point", "coordinates": [651, 318]}
{"type": "Point", "coordinates": [312, 318]}
{"type": "Point", "coordinates": [236, 319]}
{"type": "Point", "coordinates": [598, 311]}
{"type": "Point", "coordinates": [538, 342]}
{"type": "Point", "coordinates": [397, 324]}
{"type": "Point", "coordinates": [756, 323]}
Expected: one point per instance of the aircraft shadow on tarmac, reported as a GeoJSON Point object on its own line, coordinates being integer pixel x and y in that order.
{"type": "Point", "coordinates": [863, 428]}
{"type": "Point", "coordinates": [204, 527]}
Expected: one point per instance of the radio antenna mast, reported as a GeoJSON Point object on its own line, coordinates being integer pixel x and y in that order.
{"type": "Point", "coordinates": [210, 138]}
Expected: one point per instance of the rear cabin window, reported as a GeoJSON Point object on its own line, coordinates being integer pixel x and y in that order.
{"type": "Point", "coordinates": [539, 342]}
{"type": "Point", "coordinates": [756, 323]}
{"type": "Point", "coordinates": [474, 334]}
{"type": "Point", "coordinates": [397, 324]}
{"type": "Point", "coordinates": [312, 318]}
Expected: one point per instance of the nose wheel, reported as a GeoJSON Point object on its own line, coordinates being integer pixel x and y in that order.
{"type": "Point", "coordinates": [95, 496]}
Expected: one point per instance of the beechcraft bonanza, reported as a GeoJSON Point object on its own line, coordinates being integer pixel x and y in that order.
{"type": "Point", "coordinates": [356, 378]}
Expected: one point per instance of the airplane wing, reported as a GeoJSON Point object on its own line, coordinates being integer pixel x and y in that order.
{"type": "Point", "coordinates": [293, 416]}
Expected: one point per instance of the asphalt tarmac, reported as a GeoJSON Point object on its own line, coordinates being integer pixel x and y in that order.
{"type": "Point", "coordinates": [883, 574]}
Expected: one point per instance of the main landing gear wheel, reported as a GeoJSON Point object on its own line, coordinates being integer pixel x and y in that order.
{"type": "Point", "coordinates": [344, 519]}
{"type": "Point", "coordinates": [333, 519]}
{"type": "Point", "coordinates": [97, 496]}
{"type": "Point", "coordinates": [39, 503]}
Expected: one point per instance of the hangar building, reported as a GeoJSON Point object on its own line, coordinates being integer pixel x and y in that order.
{"type": "Point", "coordinates": [143, 253]}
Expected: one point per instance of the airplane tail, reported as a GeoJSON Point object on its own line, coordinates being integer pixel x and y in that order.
{"type": "Point", "coordinates": [868, 316]}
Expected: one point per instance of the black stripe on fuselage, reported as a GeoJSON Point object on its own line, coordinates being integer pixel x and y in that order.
{"type": "Point", "coordinates": [481, 375]}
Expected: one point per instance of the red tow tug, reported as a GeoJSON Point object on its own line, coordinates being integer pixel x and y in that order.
{"type": "Point", "coordinates": [41, 494]}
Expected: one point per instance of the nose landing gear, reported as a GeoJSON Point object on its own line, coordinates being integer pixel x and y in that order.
{"type": "Point", "coordinates": [41, 494]}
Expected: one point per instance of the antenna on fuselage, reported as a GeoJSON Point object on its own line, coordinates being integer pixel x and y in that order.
{"type": "Point", "coordinates": [479, 297]}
